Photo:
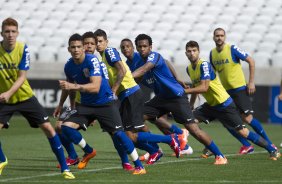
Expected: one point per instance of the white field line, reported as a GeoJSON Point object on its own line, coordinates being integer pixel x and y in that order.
{"type": "Point", "coordinates": [26, 178]}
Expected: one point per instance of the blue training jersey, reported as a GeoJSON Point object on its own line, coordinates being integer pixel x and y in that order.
{"type": "Point", "coordinates": [81, 73]}
{"type": "Point", "coordinates": [160, 78]}
{"type": "Point", "coordinates": [136, 62]}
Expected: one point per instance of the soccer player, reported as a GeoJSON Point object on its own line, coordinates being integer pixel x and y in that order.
{"type": "Point", "coordinates": [16, 94]}
{"type": "Point", "coordinates": [219, 105]}
{"type": "Point", "coordinates": [86, 74]}
{"type": "Point", "coordinates": [89, 45]}
{"type": "Point", "coordinates": [134, 61]}
{"type": "Point", "coordinates": [225, 59]}
{"type": "Point", "coordinates": [131, 109]}
{"type": "Point", "coordinates": [169, 94]}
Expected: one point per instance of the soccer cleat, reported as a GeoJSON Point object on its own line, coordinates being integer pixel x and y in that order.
{"type": "Point", "coordinates": [127, 167]}
{"type": "Point", "coordinates": [87, 156]}
{"type": "Point", "coordinates": [70, 162]}
{"type": "Point", "coordinates": [68, 175]}
{"type": "Point", "coordinates": [139, 170]}
{"type": "Point", "coordinates": [246, 150]}
{"type": "Point", "coordinates": [144, 157]}
{"type": "Point", "coordinates": [183, 138]}
{"type": "Point", "coordinates": [206, 153]}
{"type": "Point", "coordinates": [174, 145]}
{"type": "Point", "coordinates": [3, 165]}
{"type": "Point", "coordinates": [219, 160]}
{"type": "Point", "coordinates": [188, 151]}
{"type": "Point", "coordinates": [274, 155]}
{"type": "Point", "coordinates": [154, 157]}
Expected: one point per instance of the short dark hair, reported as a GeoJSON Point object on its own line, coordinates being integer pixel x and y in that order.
{"type": "Point", "coordinates": [75, 37]}
{"type": "Point", "coordinates": [219, 29]}
{"type": "Point", "coordinates": [126, 40]}
{"type": "Point", "coordinates": [192, 43]}
{"type": "Point", "coordinates": [9, 22]}
{"type": "Point", "coordinates": [88, 34]}
{"type": "Point", "coordinates": [100, 32]}
{"type": "Point", "coordinates": [143, 37]}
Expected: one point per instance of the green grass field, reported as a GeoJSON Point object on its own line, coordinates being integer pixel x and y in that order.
{"type": "Point", "coordinates": [32, 161]}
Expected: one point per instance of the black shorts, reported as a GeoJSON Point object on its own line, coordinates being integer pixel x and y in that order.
{"type": "Point", "coordinates": [107, 115]}
{"type": "Point", "coordinates": [228, 116]}
{"type": "Point", "coordinates": [178, 107]}
{"type": "Point", "coordinates": [30, 109]}
{"type": "Point", "coordinates": [243, 102]}
{"type": "Point", "coordinates": [131, 111]}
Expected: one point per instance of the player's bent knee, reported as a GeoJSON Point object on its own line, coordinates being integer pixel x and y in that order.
{"type": "Point", "coordinates": [244, 132]}
{"type": "Point", "coordinates": [48, 129]}
{"type": "Point", "coordinates": [247, 118]}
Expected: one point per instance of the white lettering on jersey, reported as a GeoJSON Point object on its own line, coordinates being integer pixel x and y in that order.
{"type": "Point", "coordinates": [27, 58]}
{"type": "Point", "coordinates": [111, 53]}
{"type": "Point", "coordinates": [240, 50]}
{"type": "Point", "coordinates": [151, 57]}
{"type": "Point", "coordinates": [96, 65]}
{"type": "Point", "coordinates": [105, 70]}
{"type": "Point", "coordinates": [206, 69]}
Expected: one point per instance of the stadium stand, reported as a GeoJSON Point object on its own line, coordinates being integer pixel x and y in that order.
{"type": "Point", "coordinates": [253, 25]}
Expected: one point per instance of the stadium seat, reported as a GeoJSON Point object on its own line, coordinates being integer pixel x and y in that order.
{"type": "Point", "coordinates": [180, 59]}
{"type": "Point", "coordinates": [108, 26]}
{"type": "Point", "coordinates": [94, 15]}
{"type": "Point", "coordinates": [262, 59]}
{"type": "Point", "coordinates": [226, 19]}
{"type": "Point", "coordinates": [196, 36]}
{"type": "Point", "coordinates": [129, 25]}
{"type": "Point", "coordinates": [258, 29]}
{"type": "Point", "coordinates": [248, 46]}
{"type": "Point", "coordinates": [176, 9]}
{"type": "Point", "coordinates": [138, 8]}
{"type": "Point", "coordinates": [169, 44]}
{"type": "Point", "coordinates": [131, 17]}
{"type": "Point", "coordinates": [177, 34]}
{"type": "Point", "coordinates": [10, 6]}
{"type": "Point", "coordinates": [169, 17]}
{"type": "Point", "coordinates": [150, 17]}
{"type": "Point", "coordinates": [264, 19]}
{"type": "Point", "coordinates": [272, 37]}
{"type": "Point", "coordinates": [144, 26]}
{"type": "Point", "coordinates": [76, 16]}
{"type": "Point", "coordinates": [47, 54]}
{"type": "Point", "coordinates": [113, 17]}
{"type": "Point", "coordinates": [231, 10]}
{"type": "Point", "coordinates": [63, 55]}
{"type": "Point", "coordinates": [119, 34]}
{"type": "Point", "coordinates": [253, 37]}
{"type": "Point", "coordinates": [181, 2]}
{"type": "Point", "coordinates": [266, 47]}
{"type": "Point", "coordinates": [276, 59]}
{"type": "Point", "coordinates": [163, 26]}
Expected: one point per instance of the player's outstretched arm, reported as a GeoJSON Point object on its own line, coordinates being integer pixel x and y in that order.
{"type": "Point", "coordinates": [251, 85]}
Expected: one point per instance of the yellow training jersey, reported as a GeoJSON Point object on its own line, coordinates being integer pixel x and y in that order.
{"type": "Point", "coordinates": [228, 66]}
{"type": "Point", "coordinates": [10, 64]}
{"type": "Point", "coordinates": [109, 56]}
{"type": "Point", "coordinates": [216, 93]}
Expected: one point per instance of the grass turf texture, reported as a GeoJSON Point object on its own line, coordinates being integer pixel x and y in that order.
{"type": "Point", "coordinates": [32, 161]}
